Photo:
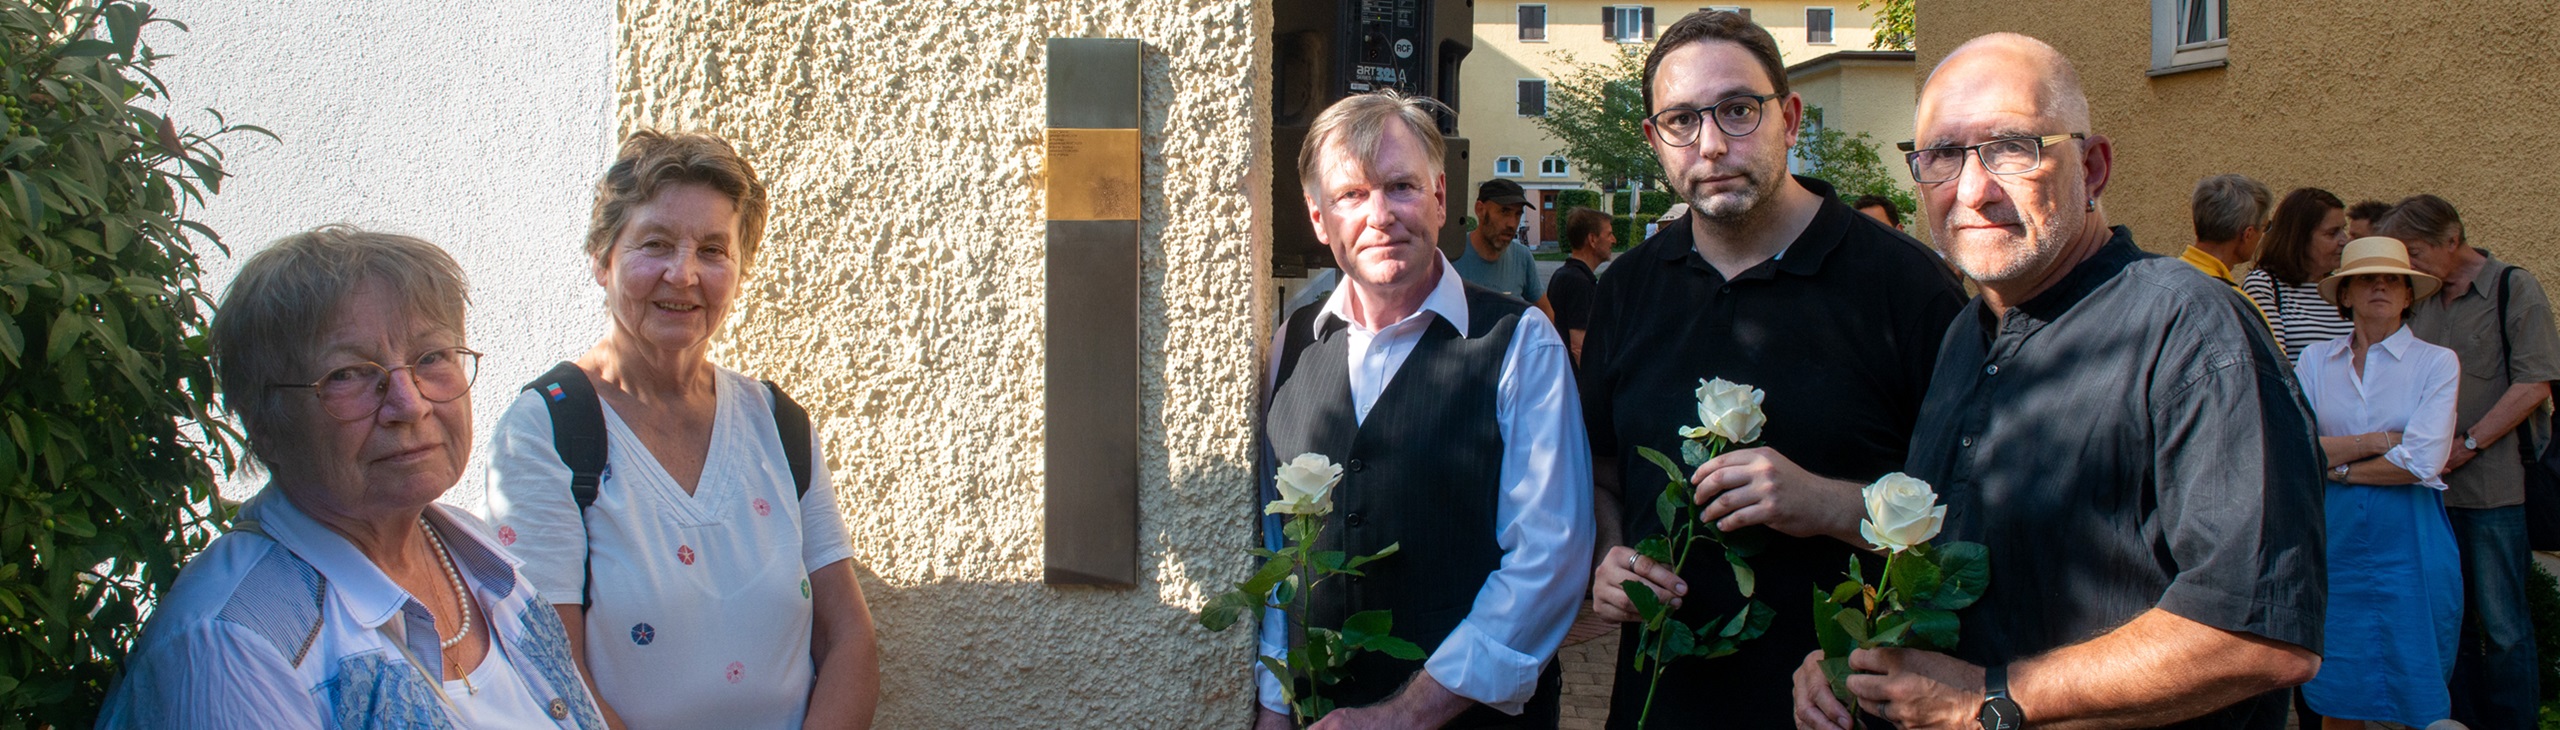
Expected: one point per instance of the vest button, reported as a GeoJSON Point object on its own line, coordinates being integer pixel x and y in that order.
{"type": "Point", "coordinates": [1353, 519]}
{"type": "Point", "coordinates": [1355, 465]}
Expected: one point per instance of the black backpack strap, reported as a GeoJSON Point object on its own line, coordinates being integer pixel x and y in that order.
{"type": "Point", "coordinates": [790, 420]}
{"type": "Point", "coordinates": [577, 433]}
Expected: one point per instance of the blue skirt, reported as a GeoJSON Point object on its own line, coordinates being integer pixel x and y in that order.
{"type": "Point", "coordinates": [2395, 606]}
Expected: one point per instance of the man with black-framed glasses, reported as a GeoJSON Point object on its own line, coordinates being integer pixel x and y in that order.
{"type": "Point", "coordinates": [1771, 281]}
{"type": "Point", "coordinates": [2116, 428]}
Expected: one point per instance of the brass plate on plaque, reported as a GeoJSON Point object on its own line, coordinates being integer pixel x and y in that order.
{"type": "Point", "coordinates": [1093, 175]}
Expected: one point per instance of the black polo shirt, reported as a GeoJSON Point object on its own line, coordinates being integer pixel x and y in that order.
{"type": "Point", "coordinates": [1569, 292]}
{"type": "Point", "coordinates": [1839, 331]}
{"type": "Point", "coordinates": [2130, 438]}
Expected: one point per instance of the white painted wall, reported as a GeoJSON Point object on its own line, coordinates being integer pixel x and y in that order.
{"type": "Point", "coordinates": [479, 126]}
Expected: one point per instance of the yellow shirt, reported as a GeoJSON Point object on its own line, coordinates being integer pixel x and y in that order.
{"type": "Point", "coordinates": [2215, 268]}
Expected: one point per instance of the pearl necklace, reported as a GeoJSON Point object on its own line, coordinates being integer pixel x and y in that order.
{"type": "Point", "coordinates": [461, 592]}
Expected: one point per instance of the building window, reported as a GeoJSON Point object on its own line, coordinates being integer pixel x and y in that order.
{"type": "Point", "coordinates": [1533, 97]}
{"type": "Point", "coordinates": [1506, 166]}
{"type": "Point", "coordinates": [1553, 166]}
{"type": "Point", "coordinates": [2188, 35]}
{"type": "Point", "coordinates": [1817, 26]}
{"type": "Point", "coordinates": [1533, 23]}
{"type": "Point", "coordinates": [1734, 9]}
{"type": "Point", "coordinates": [1627, 23]}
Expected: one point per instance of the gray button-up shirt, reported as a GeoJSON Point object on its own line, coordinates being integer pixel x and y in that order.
{"type": "Point", "coordinates": [2469, 326]}
{"type": "Point", "coordinates": [2129, 439]}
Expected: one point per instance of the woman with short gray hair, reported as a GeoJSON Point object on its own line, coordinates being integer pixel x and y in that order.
{"type": "Point", "coordinates": [343, 596]}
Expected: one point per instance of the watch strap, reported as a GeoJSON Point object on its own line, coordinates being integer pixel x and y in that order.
{"type": "Point", "coordinates": [1998, 711]}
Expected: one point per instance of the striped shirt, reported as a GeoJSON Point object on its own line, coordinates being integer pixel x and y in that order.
{"type": "Point", "coordinates": [2301, 317]}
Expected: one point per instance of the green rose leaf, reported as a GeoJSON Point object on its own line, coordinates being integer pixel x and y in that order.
{"type": "Point", "coordinates": [1286, 590]}
{"type": "Point", "coordinates": [1840, 596]}
{"type": "Point", "coordinates": [1668, 506]}
{"type": "Point", "coordinates": [1761, 616]}
{"type": "Point", "coordinates": [1656, 549]}
{"type": "Point", "coordinates": [1366, 559]}
{"type": "Point", "coordinates": [1837, 669]}
{"type": "Point", "coordinates": [1647, 606]}
{"type": "Point", "coordinates": [1913, 578]}
{"type": "Point", "coordinates": [1852, 622]}
{"type": "Point", "coordinates": [1302, 529]}
{"type": "Point", "coordinates": [1394, 647]}
{"type": "Point", "coordinates": [1695, 453]}
{"type": "Point", "coordinates": [1675, 472]}
{"type": "Point", "coordinates": [1221, 612]}
{"type": "Point", "coordinates": [1677, 640]}
{"type": "Point", "coordinates": [1889, 633]}
{"type": "Point", "coordinates": [1360, 626]}
{"type": "Point", "coordinates": [1327, 562]}
{"type": "Point", "coordinates": [1272, 571]}
{"type": "Point", "coordinates": [1827, 631]}
{"type": "Point", "coordinates": [1933, 629]}
{"type": "Point", "coordinates": [1743, 577]}
{"type": "Point", "coordinates": [1964, 570]}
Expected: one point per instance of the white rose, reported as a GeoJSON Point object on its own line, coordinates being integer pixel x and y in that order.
{"type": "Point", "coordinates": [1901, 512]}
{"type": "Point", "coordinates": [1306, 486]}
{"type": "Point", "coordinates": [1728, 409]}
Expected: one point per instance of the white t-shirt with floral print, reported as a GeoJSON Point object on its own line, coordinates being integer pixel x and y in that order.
{"type": "Point", "coordinates": [701, 613]}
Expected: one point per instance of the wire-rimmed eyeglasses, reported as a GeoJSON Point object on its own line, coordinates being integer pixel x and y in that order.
{"type": "Point", "coordinates": [2004, 156]}
{"type": "Point", "coordinates": [355, 392]}
{"type": "Point", "coordinates": [1737, 116]}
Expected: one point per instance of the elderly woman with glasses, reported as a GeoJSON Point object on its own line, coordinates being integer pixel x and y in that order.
{"type": "Point", "coordinates": [2385, 401]}
{"type": "Point", "coordinates": [343, 596]}
{"type": "Point", "coordinates": [699, 560]}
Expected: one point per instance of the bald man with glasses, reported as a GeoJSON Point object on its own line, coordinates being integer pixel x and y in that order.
{"type": "Point", "coordinates": [2115, 427]}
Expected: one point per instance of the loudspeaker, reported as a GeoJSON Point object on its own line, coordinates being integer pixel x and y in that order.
{"type": "Point", "coordinates": [1325, 50]}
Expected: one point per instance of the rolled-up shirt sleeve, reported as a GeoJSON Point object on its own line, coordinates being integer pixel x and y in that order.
{"type": "Point", "coordinates": [2428, 440]}
{"type": "Point", "coordinates": [216, 676]}
{"type": "Point", "coordinates": [1543, 525]}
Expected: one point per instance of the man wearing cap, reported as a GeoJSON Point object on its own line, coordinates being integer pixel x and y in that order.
{"type": "Point", "coordinates": [1771, 281]}
{"type": "Point", "coordinates": [2117, 431]}
{"type": "Point", "coordinates": [1451, 412]}
{"type": "Point", "coordinates": [1492, 259]}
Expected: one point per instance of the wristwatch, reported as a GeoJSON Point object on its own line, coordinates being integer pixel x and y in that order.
{"type": "Point", "coordinates": [2468, 444]}
{"type": "Point", "coordinates": [2339, 472]}
{"type": "Point", "coordinates": [1998, 711]}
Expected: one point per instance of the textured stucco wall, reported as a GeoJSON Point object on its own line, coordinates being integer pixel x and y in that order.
{"type": "Point", "coordinates": [480, 128]}
{"type": "Point", "coordinates": [2365, 98]}
{"type": "Point", "coordinates": [900, 294]}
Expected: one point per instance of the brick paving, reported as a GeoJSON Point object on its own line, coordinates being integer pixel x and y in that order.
{"type": "Point", "coordinates": [1590, 668]}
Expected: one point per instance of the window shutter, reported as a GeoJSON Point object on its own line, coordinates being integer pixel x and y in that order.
{"type": "Point", "coordinates": [1609, 23]}
{"type": "Point", "coordinates": [1648, 22]}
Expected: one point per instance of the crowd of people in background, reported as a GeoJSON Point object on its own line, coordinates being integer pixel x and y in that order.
{"type": "Point", "coordinates": [2199, 488]}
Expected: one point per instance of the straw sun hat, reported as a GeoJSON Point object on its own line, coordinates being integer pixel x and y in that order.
{"type": "Point", "coordinates": [2377, 255]}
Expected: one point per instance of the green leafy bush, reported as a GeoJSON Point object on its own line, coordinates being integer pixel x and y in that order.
{"type": "Point", "coordinates": [2542, 602]}
{"type": "Point", "coordinates": [107, 442]}
{"type": "Point", "coordinates": [1850, 163]}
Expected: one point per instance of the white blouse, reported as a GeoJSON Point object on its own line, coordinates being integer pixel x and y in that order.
{"type": "Point", "coordinates": [2408, 386]}
{"type": "Point", "coordinates": [702, 612]}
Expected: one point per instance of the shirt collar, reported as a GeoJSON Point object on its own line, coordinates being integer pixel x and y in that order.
{"type": "Point", "coordinates": [2207, 263]}
{"type": "Point", "coordinates": [2398, 342]}
{"type": "Point", "coordinates": [2101, 267]}
{"type": "Point", "coordinates": [1801, 257]}
{"type": "Point", "coordinates": [369, 595]}
{"type": "Point", "coordinates": [1448, 299]}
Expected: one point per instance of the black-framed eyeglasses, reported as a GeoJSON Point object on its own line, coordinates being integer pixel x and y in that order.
{"type": "Point", "coordinates": [355, 392]}
{"type": "Point", "coordinates": [2004, 156]}
{"type": "Point", "coordinates": [1737, 116]}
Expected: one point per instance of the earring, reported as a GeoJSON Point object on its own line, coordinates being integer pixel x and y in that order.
{"type": "Point", "coordinates": [2093, 205]}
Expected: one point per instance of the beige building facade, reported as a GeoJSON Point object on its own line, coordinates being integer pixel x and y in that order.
{"type": "Point", "coordinates": [1520, 48]}
{"type": "Point", "coordinates": [2364, 98]}
{"type": "Point", "coordinates": [900, 298]}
